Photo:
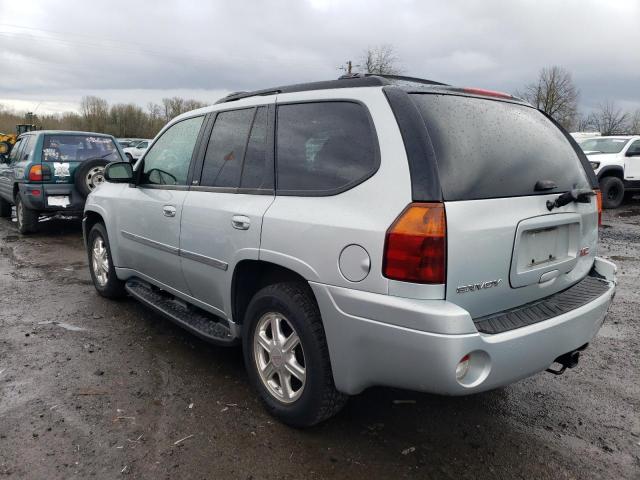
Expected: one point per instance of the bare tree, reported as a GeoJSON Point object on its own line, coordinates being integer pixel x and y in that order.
{"type": "Point", "coordinates": [634, 123]}
{"type": "Point", "coordinates": [555, 94]}
{"type": "Point", "coordinates": [608, 119]}
{"type": "Point", "coordinates": [95, 111]}
{"type": "Point", "coordinates": [381, 60]}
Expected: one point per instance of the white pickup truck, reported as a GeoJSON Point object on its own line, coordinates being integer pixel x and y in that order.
{"type": "Point", "coordinates": [616, 162]}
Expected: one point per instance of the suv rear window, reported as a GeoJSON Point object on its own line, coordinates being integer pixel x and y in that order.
{"type": "Point", "coordinates": [77, 148]}
{"type": "Point", "coordinates": [490, 149]}
{"type": "Point", "coordinates": [323, 148]}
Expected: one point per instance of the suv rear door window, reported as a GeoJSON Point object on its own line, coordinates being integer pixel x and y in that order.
{"type": "Point", "coordinates": [257, 171]}
{"type": "Point", "coordinates": [225, 152]}
{"type": "Point", "coordinates": [491, 149]}
{"type": "Point", "coordinates": [324, 147]}
{"type": "Point", "coordinates": [167, 161]}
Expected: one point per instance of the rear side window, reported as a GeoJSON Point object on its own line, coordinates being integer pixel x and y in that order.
{"type": "Point", "coordinates": [490, 149]}
{"type": "Point", "coordinates": [323, 148]}
{"type": "Point", "coordinates": [225, 151]}
{"type": "Point", "coordinates": [78, 148]}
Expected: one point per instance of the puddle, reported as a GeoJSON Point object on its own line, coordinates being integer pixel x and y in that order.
{"type": "Point", "coordinates": [620, 258]}
{"type": "Point", "coordinates": [66, 326]}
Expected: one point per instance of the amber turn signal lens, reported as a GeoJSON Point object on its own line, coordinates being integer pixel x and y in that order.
{"type": "Point", "coordinates": [415, 247]}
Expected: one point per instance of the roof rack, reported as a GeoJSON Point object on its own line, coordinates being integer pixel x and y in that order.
{"type": "Point", "coordinates": [345, 81]}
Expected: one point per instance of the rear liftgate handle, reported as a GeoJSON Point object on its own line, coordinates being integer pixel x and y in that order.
{"type": "Point", "coordinates": [240, 222]}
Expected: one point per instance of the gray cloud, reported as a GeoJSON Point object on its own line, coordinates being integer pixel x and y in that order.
{"type": "Point", "coordinates": [137, 51]}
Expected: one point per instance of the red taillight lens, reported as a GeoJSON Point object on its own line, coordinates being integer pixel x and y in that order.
{"type": "Point", "coordinates": [416, 245]}
{"type": "Point", "coordinates": [35, 173]}
{"type": "Point", "coordinates": [599, 203]}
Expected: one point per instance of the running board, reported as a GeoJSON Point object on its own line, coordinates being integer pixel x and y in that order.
{"type": "Point", "coordinates": [206, 326]}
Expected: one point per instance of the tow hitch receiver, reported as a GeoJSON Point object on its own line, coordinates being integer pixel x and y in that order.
{"type": "Point", "coordinates": [567, 360]}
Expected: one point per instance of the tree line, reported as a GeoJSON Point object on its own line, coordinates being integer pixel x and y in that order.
{"type": "Point", "coordinates": [122, 120]}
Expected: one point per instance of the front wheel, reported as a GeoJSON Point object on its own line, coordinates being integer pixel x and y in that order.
{"type": "Point", "coordinates": [103, 273]}
{"type": "Point", "coordinates": [26, 218]}
{"type": "Point", "coordinates": [612, 190]}
{"type": "Point", "coordinates": [287, 357]}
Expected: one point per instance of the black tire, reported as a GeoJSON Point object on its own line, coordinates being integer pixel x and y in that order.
{"type": "Point", "coordinates": [5, 208]}
{"type": "Point", "coordinates": [612, 190]}
{"type": "Point", "coordinates": [89, 175]}
{"type": "Point", "coordinates": [27, 219]}
{"type": "Point", "coordinates": [319, 399]}
{"type": "Point", "coordinates": [113, 287]}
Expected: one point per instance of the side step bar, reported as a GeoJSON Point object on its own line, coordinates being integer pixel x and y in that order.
{"type": "Point", "coordinates": [206, 326]}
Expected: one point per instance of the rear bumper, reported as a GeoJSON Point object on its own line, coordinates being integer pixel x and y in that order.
{"type": "Point", "coordinates": [36, 197]}
{"type": "Point", "coordinates": [398, 351]}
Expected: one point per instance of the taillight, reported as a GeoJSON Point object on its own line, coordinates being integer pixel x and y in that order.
{"type": "Point", "coordinates": [416, 245]}
{"type": "Point", "coordinates": [35, 173]}
{"type": "Point", "coordinates": [599, 203]}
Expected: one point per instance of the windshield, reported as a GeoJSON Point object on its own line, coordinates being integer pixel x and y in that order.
{"type": "Point", "coordinates": [77, 148]}
{"type": "Point", "coordinates": [603, 145]}
{"type": "Point", "coordinates": [491, 149]}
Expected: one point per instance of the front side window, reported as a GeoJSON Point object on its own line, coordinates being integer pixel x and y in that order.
{"type": "Point", "coordinates": [78, 148]}
{"type": "Point", "coordinates": [167, 161]}
{"type": "Point", "coordinates": [323, 147]}
{"type": "Point", "coordinates": [634, 149]}
{"type": "Point", "coordinates": [225, 152]}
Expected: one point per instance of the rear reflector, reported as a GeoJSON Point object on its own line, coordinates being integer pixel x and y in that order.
{"type": "Point", "coordinates": [35, 173]}
{"type": "Point", "coordinates": [415, 247]}
{"type": "Point", "coordinates": [599, 203]}
{"type": "Point", "coordinates": [35, 193]}
{"type": "Point", "coordinates": [486, 93]}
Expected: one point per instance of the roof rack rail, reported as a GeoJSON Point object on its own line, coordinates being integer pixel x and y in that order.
{"type": "Point", "coordinates": [403, 78]}
{"type": "Point", "coordinates": [353, 81]}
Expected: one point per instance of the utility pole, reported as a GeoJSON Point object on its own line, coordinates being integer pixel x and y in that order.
{"type": "Point", "coordinates": [349, 67]}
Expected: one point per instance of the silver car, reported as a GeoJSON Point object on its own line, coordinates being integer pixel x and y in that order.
{"type": "Point", "coordinates": [359, 232]}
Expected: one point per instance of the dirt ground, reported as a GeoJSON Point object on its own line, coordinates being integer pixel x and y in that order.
{"type": "Point", "coordinates": [91, 388]}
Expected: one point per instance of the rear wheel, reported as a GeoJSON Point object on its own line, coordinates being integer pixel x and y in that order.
{"type": "Point", "coordinates": [103, 273]}
{"type": "Point", "coordinates": [5, 208]}
{"type": "Point", "coordinates": [27, 218]}
{"type": "Point", "coordinates": [612, 190]}
{"type": "Point", "coordinates": [287, 357]}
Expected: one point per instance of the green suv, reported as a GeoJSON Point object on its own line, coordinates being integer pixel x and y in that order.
{"type": "Point", "coordinates": [52, 172]}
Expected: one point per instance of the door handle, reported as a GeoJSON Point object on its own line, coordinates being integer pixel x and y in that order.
{"type": "Point", "coordinates": [169, 211]}
{"type": "Point", "coordinates": [240, 222]}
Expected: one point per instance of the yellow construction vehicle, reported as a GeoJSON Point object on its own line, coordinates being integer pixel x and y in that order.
{"type": "Point", "coordinates": [7, 140]}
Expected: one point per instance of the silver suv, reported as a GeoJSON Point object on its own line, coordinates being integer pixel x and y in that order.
{"type": "Point", "coordinates": [359, 232]}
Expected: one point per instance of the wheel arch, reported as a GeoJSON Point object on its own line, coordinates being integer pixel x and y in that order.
{"type": "Point", "coordinates": [249, 276]}
{"type": "Point", "coordinates": [611, 171]}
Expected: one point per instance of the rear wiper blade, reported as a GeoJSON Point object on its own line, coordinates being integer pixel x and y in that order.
{"type": "Point", "coordinates": [575, 195]}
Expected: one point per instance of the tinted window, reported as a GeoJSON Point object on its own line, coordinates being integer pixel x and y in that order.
{"type": "Point", "coordinates": [29, 143]}
{"type": "Point", "coordinates": [634, 148]}
{"type": "Point", "coordinates": [225, 152]}
{"type": "Point", "coordinates": [489, 149]}
{"type": "Point", "coordinates": [167, 161]}
{"type": "Point", "coordinates": [323, 147]}
{"type": "Point", "coordinates": [77, 148]}
{"type": "Point", "coordinates": [257, 171]}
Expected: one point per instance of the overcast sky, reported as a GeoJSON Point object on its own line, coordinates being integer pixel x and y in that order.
{"type": "Point", "coordinates": [53, 52]}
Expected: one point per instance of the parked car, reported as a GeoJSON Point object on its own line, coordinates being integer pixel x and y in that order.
{"type": "Point", "coordinates": [134, 152]}
{"type": "Point", "coordinates": [616, 162]}
{"type": "Point", "coordinates": [128, 142]}
{"type": "Point", "coordinates": [355, 232]}
{"type": "Point", "coordinates": [50, 172]}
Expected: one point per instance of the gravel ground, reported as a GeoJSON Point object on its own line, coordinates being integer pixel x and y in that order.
{"type": "Point", "coordinates": [91, 388]}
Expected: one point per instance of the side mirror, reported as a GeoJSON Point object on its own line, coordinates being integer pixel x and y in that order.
{"type": "Point", "coordinates": [119, 172]}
